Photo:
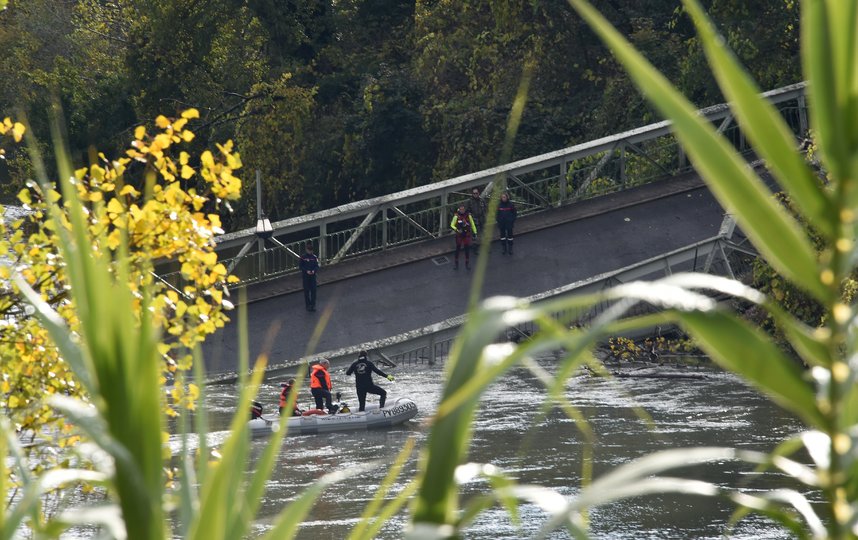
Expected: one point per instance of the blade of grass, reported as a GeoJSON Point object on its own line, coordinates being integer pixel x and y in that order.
{"type": "Point", "coordinates": [290, 519]}
{"type": "Point", "coordinates": [391, 509]}
{"type": "Point", "coordinates": [221, 500]}
{"type": "Point", "coordinates": [264, 466]}
{"type": "Point", "coordinates": [817, 53]}
{"type": "Point", "coordinates": [752, 355]}
{"type": "Point", "coordinates": [437, 499]}
{"type": "Point", "coordinates": [361, 529]}
{"type": "Point", "coordinates": [764, 126]}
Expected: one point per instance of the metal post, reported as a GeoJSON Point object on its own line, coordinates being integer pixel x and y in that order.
{"type": "Point", "coordinates": [442, 222]}
{"type": "Point", "coordinates": [802, 116]}
{"type": "Point", "coordinates": [384, 228]}
{"type": "Point", "coordinates": [323, 241]}
{"type": "Point", "coordinates": [260, 242]}
{"type": "Point", "coordinates": [623, 165]}
{"type": "Point", "coordinates": [563, 171]}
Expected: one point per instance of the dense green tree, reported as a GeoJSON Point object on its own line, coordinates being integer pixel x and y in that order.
{"type": "Point", "coordinates": [338, 101]}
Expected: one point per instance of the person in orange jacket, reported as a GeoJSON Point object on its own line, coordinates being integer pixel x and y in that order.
{"type": "Point", "coordinates": [286, 390]}
{"type": "Point", "coordinates": [320, 385]}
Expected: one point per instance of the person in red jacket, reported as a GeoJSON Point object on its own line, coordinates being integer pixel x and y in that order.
{"type": "Point", "coordinates": [464, 227]}
{"type": "Point", "coordinates": [320, 385]}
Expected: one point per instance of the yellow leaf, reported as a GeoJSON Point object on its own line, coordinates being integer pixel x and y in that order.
{"type": "Point", "coordinates": [207, 159]}
{"type": "Point", "coordinates": [18, 131]}
{"type": "Point", "coordinates": [162, 122]}
{"type": "Point", "coordinates": [188, 136]}
{"type": "Point", "coordinates": [187, 172]}
{"type": "Point", "coordinates": [13, 402]}
{"type": "Point", "coordinates": [209, 258]}
{"type": "Point", "coordinates": [126, 190]}
{"type": "Point", "coordinates": [191, 113]}
{"type": "Point", "coordinates": [184, 157]}
{"type": "Point", "coordinates": [114, 239]}
{"type": "Point", "coordinates": [114, 206]}
{"type": "Point", "coordinates": [24, 196]}
{"type": "Point", "coordinates": [140, 132]}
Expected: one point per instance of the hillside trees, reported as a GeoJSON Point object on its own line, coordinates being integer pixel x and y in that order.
{"type": "Point", "coordinates": [389, 94]}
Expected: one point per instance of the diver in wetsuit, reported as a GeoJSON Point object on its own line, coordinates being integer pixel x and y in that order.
{"type": "Point", "coordinates": [362, 369]}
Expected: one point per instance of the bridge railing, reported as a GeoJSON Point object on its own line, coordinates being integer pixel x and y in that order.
{"type": "Point", "coordinates": [536, 184]}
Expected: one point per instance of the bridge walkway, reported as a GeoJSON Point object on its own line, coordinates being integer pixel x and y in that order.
{"type": "Point", "coordinates": [403, 289]}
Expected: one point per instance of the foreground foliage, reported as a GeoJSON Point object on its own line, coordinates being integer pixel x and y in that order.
{"type": "Point", "coordinates": [825, 396]}
{"type": "Point", "coordinates": [149, 204]}
{"type": "Point", "coordinates": [117, 360]}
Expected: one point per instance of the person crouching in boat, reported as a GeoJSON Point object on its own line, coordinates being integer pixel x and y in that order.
{"type": "Point", "coordinates": [255, 410]}
{"type": "Point", "coordinates": [362, 369]}
{"type": "Point", "coordinates": [286, 390]}
{"type": "Point", "coordinates": [320, 385]}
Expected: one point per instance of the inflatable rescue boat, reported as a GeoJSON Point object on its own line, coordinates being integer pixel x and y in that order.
{"type": "Point", "coordinates": [395, 412]}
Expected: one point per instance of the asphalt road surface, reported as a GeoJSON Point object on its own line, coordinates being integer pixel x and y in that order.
{"type": "Point", "coordinates": [405, 297]}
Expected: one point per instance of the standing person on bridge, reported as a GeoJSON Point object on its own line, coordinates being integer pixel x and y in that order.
{"type": "Point", "coordinates": [464, 227]}
{"type": "Point", "coordinates": [476, 206]}
{"type": "Point", "coordinates": [505, 218]}
{"type": "Point", "coordinates": [309, 265]}
{"type": "Point", "coordinates": [362, 369]}
{"type": "Point", "coordinates": [320, 385]}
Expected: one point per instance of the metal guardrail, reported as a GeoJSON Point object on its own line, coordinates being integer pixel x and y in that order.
{"type": "Point", "coordinates": [539, 183]}
{"type": "Point", "coordinates": [718, 255]}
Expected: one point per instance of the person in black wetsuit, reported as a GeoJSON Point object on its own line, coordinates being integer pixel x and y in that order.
{"type": "Point", "coordinates": [362, 369]}
{"type": "Point", "coordinates": [506, 218]}
{"type": "Point", "coordinates": [309, 265]}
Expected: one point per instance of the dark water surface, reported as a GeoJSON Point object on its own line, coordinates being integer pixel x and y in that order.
{"type": "Point", "coordinates": [716, 411]}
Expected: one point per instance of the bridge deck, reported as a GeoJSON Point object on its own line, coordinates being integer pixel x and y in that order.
{"type": "Point", "coordinates": [385, 294]}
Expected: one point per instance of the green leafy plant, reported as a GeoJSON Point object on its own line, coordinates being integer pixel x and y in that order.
{"type": "Point", "coordinates": [114, 353]}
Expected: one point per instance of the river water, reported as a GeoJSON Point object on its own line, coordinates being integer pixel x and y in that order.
{"type": "Point", "coordinates": [718, 410]}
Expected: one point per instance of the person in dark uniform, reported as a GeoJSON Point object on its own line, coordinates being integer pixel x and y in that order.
{"type": "Point", "coordinates": [320, 385]}
{"type": "Point", "coordinates": [286, 390]}
{"type": "Point", "coordinates": [476, 206]}
{"type": "Point", "coordinates": [255, 410]}
{"type": "Point", "coordinates": [464, 227]}
{"type": "Point", "coordinates": [505, 218]}
{"type": "Point", "coordinates": [362, 368]}
{"type": "Point", "coordinates": [309, 265]}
